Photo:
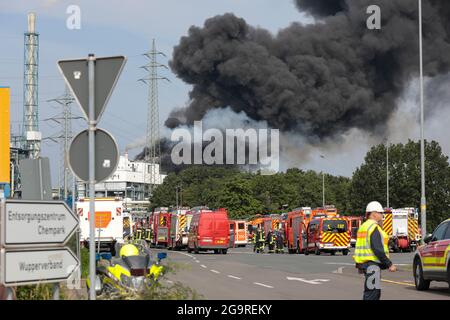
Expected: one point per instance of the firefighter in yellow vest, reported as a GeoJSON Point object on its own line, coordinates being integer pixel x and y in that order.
{"type": "Point", "coordinates": [372, 251]}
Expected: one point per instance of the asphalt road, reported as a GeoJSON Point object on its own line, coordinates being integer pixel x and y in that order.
{"type": "Point", "coordinates": [242, 274]}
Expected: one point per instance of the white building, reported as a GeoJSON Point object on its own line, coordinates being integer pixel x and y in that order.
{"type": "Point", "coordinates": [130, 180]}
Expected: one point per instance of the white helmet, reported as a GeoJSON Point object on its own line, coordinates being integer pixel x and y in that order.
{"type": "Point", "coordinates": [374, 206]}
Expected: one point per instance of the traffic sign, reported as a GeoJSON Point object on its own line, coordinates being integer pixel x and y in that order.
{"type": "Point", "coordinates": [106, 155]}
{"type": "Point", "coordinates": [26, 267]}
{"type": "Point", "coordinates": [36, 223]}
{"type": "Point", "coordinates": [107, 72]}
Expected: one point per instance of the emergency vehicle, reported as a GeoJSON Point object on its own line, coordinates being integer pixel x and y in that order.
{"type": "Point", "coordinates": [160, 226]}
{"type": "Point", "coordinates": [432, 260]}
{"type": "Point", "coordinates": [296, 231]}
{"type": "Point", "coordinates": [210, 230]}
{"type": "Point", "coordinates": [354, 224]}
{"type": "Point", "coordinates": [110, 226]}
{"type": "Point", "coordinates": [240, 228]}
{"type": "Point", "coordinates": [179, 229]}
{"type": "Point", "coordinates": [329, 211]}
{"type": "Point", "coordinates": [402, 226]}
{"type": "Point", "coordinates": [328, 235]}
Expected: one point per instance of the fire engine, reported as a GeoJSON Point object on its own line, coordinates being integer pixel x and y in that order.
{"type": "Point", "coordinates": [240, 228]}
{"type": "Point", "coordinates": [354, 224]}
{"type": "Point", "coordinates": [328, 235]}
{"type": "Point", "coordinates": [179, 228]}
{"type": "Point", "coordinates": [160, 226]}
{"type": "Point", "coordinates": [402, 226]}
{"type": "Point", "coordinates": [295, 228]}
{"type": "Point", "coordinates": [329, 211]}
{"type": "Point", "coordinates": [110, 226]}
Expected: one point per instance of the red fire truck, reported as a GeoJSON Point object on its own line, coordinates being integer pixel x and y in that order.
{"type": "Point", "coordinates": [295, 227]}
{"type": "Point", "coordinates": [160, 225]}
{"type": "Point", "coordinates": [354, 223]}
{"type": "Point", "coordinates": [328, 235]}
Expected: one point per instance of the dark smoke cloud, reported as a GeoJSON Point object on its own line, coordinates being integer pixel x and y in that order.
{"type": "Point", "coordinates": [321, 8]}
{"type": "Point", "coordinates": [318, 80]}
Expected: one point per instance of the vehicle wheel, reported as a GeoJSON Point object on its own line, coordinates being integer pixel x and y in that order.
{"type": "Point", "coordinates": [448, 277]}
{"type": "Point", "coordinates": [216, 251]}
{"type": "Point", "coordinates": [224, 251]}
{"type": "Point", "coordinates": [345, 252]}
{"type": "Point", "coordinates": [189, 250]}
{"type": "Point", "coordinates": [317, 251]}
{"type": "Point", "coordinates": [333, 253]}
{"type": "Point", "coordinates": [421, 283]}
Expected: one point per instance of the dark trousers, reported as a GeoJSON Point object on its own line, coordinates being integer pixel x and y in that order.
{"type": "Point", "coordinates": [372, 281]}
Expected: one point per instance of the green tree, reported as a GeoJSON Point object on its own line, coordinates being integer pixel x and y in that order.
{"type": "Point", "coordinates": [369, 180]}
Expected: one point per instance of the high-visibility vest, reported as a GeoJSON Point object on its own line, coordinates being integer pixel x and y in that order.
{"type": "Point", "coordinates": [363, 251]}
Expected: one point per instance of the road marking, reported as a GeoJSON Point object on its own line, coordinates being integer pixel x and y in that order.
{"type": "Point", "coordinates": [263, 285]}
{"type": "Point", "coordinates": [233, 277]}
{"type": "Point", "coordinates": [185, 254]}
{"type": "Point", "coordinates": [339, 270]}
{"type": "Point", "coordinates": [215, 271]}
{"type": "Point", "coordinates": [197, 261]}
{"type": "Point", "coordinates": [315, 281]}
{"type": "Point", "coordinates": [396, 282]}
{"type": "Point", "coordinates": [203, 266]}
{"type": "Point", "coordinates": [169, 281]}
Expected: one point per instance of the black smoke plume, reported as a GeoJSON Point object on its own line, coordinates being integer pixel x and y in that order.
{"type": "Point", "coordinates": [318, 80]}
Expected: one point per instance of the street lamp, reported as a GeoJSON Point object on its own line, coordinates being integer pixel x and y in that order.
{"type": "Point", "coordinates": [323, 185]}
{"type": "Point", "coordinates": [387, 173]}
{"type": "Point", "coordinates": [423, 202]}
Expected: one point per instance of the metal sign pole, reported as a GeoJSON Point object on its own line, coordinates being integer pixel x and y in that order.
{"type": "Point", "coordinates": [92, 127]}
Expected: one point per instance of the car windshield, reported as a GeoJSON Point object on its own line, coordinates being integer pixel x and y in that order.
{"type": "Point", "coordinates": [334, 226]}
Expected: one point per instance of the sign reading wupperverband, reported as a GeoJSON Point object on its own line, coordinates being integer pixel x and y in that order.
{"type": "Point", "coordinates": [36, 223]}
{"type": "Point", "coordinates": [36, 266]}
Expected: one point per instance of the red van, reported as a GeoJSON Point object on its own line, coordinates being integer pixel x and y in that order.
{"type": "Point", "coordinates": [209, 230]}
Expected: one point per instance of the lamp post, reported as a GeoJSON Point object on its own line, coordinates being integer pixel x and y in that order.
{"type": "Point", "coordinates": [323, 185]}
{"type": "Point", "coordinates": [387, 173]}
{"type": "Point", "coordinates": [423, 202]}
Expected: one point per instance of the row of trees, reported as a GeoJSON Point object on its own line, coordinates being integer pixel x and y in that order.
{"type": "Point", "coordinates": [245, 194]}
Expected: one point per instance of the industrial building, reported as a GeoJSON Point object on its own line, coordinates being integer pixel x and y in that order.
{"type": "Point", "coordinates": [130, 180]}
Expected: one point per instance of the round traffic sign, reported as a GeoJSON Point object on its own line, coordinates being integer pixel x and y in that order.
{"type": "Point", "coordinates": [106, 155]}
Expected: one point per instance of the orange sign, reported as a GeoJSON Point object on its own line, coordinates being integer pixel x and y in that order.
{"type": "Point", "coordinates": [102, 218]}
{"type": "Point", "coordinates": [4, 135]}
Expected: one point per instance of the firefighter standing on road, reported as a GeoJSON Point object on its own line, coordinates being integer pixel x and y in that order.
{"type": "Point", "coordinates": [372, 251]}
{"type": "Point", "coordinates": [279, 241]}
{"type": "Point", "coordinates": [271, 241]}
{"type": "Point", "coordinates": [259, 240]}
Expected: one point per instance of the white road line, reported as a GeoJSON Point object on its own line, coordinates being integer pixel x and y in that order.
{"type": "Point", "coordinates": [233, 277]}
{"type": "Point", "coordinates": [339, 270]}
{"type": "Point", "coordinates": [263, 285]}
{"type": "Point", "coordinates": [315, 281]}
{"type": "Point", "coordinates": [215, 271]}
{"type": "Point", "coordinates": [203, 266]}
{"type": "Point", "coordinates": [169, 281]}
{"type": "Point", "coordinates": [197, 261]}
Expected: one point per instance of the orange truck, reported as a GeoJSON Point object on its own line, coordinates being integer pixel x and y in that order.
{"type": "Point", "coordinates": [240, 228]}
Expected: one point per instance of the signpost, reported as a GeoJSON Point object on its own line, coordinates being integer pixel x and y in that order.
{"type": "Point", "coordinates": [92, 81]}
{"type": "Point", "coordinates": [25, 267]}
{"type": "Point", "coordinates": [106, 155]}
{"type": "Point", "coordinates": [36, 223]}
{"type": "Point", "coordinates": [33, 235]}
